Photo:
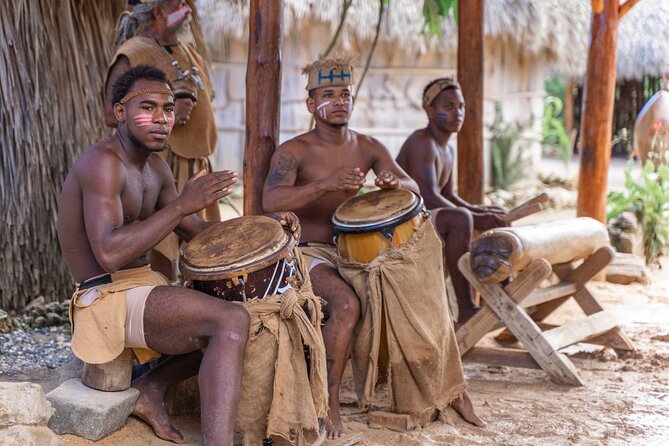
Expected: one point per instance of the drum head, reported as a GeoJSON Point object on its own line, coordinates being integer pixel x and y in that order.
{"type": "Point", "coordinates": [377, 208]}
{"type": "Point", "coordinates": [235, 246]}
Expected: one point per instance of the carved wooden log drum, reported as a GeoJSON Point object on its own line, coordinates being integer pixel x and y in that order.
{"type": "Point", "coordinates": [368, 224]}
{"type": "Point", "coordinates": [499, 252]}
{"type": "Point", "coordinates": [241, 259]}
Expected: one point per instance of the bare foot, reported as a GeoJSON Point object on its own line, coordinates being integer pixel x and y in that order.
{"type": "Point", "coordinates": [334, 428]}
{"type": "Point", "coordinates": [466, 314]}
{"type": "Point", "coordinates": [463, 405]}
{"type": "Point", "coordinates": [150, 409]}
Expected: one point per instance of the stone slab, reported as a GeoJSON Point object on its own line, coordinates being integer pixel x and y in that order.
{"type": "Point", "coordinates": [29, 436]}
{"type": "Point", "coordinates": [87, 412]}
{"type": "Point", "coordinates": [23, 403]}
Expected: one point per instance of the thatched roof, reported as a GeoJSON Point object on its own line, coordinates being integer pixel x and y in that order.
{"type": "Point", "coordinates": [53, 60]}
{"type": "Point", "coordinates": [559, 29]}
{"type": "Point", "coordinates": [643, 42]}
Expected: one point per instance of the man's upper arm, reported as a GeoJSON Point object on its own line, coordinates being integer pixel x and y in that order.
{"type": "Point", "coordinates": [101, 185]}
{"type": "Point", "coordinates": [121, 65]}
{"type": "Point", "coordinates": [447, 191]}
{"type": "Point", "coordinates": [283, 168]}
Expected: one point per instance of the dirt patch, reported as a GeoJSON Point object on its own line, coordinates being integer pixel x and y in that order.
{"type": "Point", "coordinates": [625, 399]}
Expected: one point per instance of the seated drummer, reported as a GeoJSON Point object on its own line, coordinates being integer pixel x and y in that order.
{"type": "Point", "coordinates": [118, 202]}
{"type": "Point", "coordinates": [312, 174]}
{"type": "Point", "coordinates": [428, 158]}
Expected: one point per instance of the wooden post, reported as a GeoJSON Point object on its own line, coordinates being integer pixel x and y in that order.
{"type": "Point", "coordinates": [263, 92]}
{"type": "Point", "coordinates": [470, 76]}
{"type": "Point", "coordinates": [597, 113]}
{"type": "Point", "coordinates": [568, 109]}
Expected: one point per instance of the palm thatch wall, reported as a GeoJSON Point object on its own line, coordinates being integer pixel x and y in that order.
{"type": "Point", "coordinates": [53, 59]}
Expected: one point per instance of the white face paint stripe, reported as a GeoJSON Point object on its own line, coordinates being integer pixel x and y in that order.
{"type": "Point", "coordinates": [321, 110]}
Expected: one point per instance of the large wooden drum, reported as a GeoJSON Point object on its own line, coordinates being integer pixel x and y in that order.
{"type": "Point", "coordinates": [241, 259]}
{"type": "Point", "coordinates": [368, 224]}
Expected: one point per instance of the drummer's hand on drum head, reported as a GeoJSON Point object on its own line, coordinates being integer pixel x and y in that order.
{"type": "Point", "coordinates": [204, 189]}
{"type": "Point", "coordinates": [344, 179]}
{"type": "Point", "coordinates": [289, 221]}
{"type": "Point", "coordinates": [387, 180]}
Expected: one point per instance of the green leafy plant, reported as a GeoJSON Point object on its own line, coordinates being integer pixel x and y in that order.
{"type": "Point", "coordinates": [435, 11]}
{"type": "Point", "coordinates": [508, 163]}
{"type": "Point", "coordinates": [553, 130]}
{"type": "Point", "coordinates": [648, 196]}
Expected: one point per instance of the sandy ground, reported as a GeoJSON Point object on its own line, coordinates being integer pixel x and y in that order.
{"type": "Point", "coordinates": [625, 400]}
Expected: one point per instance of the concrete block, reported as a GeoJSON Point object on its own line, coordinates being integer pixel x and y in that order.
{"type": "Point", "coordinates": [23, 403]}
{"type": "Point", "coordinates": [394, 421]}
{"type": "Point", "coordinates": [29, 436]}
{"type": "Point", "coordinates": [89, 413]}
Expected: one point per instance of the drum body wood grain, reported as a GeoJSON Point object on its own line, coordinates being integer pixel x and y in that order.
{"type": "Point", "coordinates": [241, 259]}
{"type": "Point", "coordinates": [368, 224]}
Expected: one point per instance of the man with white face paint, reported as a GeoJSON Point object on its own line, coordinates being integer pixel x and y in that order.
{"type": "Point", "coordinates": [312, 174]}
{"type": "Point", "coordinates": [154, 34]}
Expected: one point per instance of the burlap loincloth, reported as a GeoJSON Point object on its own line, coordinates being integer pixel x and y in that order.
{"type": "Point", "coordinates": [403, 289]}
{"type": "Point", "coordinates": [98, 329]}
{"type": "Point", "coordinates": [182, 170]}
{"type": "Point", "coordinates": [280, 398]}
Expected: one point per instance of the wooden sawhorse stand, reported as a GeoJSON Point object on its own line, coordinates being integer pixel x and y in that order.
{"type": "Point", "coordinates": [522, 306]}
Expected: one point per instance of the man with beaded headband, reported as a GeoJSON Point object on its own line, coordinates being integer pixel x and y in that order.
{"type": "Point", "coordinates": [429, 159]}
{"type": "Point", "coordinates": [118, 201]}
{"type": "Point", "coordinates": [312, 174]}
{"type": "Point", "coordinates": [151, 34]}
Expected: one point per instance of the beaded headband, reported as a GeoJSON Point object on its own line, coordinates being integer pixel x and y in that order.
{"type": "Point", "coordinates": [438, 87]}
{"type": "Point", "coordinates": [136, 93]}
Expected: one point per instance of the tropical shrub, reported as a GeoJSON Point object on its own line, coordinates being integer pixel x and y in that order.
{"type": "Point", "coordinates": [553, 130]}
{"type": "Point", "coordinates": [508, 162]}
{"type": "Point", "coordinates": [648, 196]}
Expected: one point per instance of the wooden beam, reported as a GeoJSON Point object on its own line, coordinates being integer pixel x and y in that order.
{"type": "Point", "coordinates": [499, 356]}
{"type": "Point", "coordinates": [556, 365]}
{"type": "Point", "coordinates": [625, 7]}
{"type": "Point", "coordinates": [486, 320]}
{"type": "Point", "coordinates": [470, 75]}
{"type": "Point", "coordinates": [580, 330]}
{"type": "Point", "coordinates": [597, 114]}
{"type": "Point", "coordinates": [543, 295]}
{"type": "Point", "coordinates": [263, 91]}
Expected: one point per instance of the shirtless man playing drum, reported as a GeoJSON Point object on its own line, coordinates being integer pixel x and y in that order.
{"type": "Point", "coordinates": [312, 174]}
{"type": "Point", "coordinates": [118, 201]}
{"type": "Point", "coordinates": [428, 158]}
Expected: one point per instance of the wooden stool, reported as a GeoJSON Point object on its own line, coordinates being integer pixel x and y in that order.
{"type": "Point", "coordinates": [522, 306]}
{"type": "Point", "coordinates": [112, 376]}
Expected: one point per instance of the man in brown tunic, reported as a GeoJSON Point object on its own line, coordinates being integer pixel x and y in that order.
{"type": "Point", "coordinates": [118, 201]}
{"type": "Point", "coordinates": [428, 158]}
{"type": "Point", "coordinates": [312, 174]}
{"type": "Point", "coordinates": [150, 35]}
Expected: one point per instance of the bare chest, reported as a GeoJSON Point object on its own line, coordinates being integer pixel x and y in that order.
{"type": "Point", "coordinates": [140, 196]}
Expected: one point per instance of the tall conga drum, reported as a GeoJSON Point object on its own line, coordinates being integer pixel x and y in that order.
{"type": "Point", "coordinates": [241, 259]}
{"type": "Point", "coordinates": [368, 224]}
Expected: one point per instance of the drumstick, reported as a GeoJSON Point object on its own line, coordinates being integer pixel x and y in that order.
{"type": "Point", "coordinates": [522, 211]}
{"type": "Point", "coordinates": [541, 198]}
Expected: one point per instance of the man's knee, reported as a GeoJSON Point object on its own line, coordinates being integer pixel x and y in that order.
{"type": "Point", "coordinates": [345, 308]}
{"type": "Point", "coordinates": [233, 323]}
{"type": "Point", "coordinates": [456, 219]}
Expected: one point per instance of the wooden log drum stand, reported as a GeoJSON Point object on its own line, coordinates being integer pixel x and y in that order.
{"type": "Point", "coordinates": [521, 306]}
